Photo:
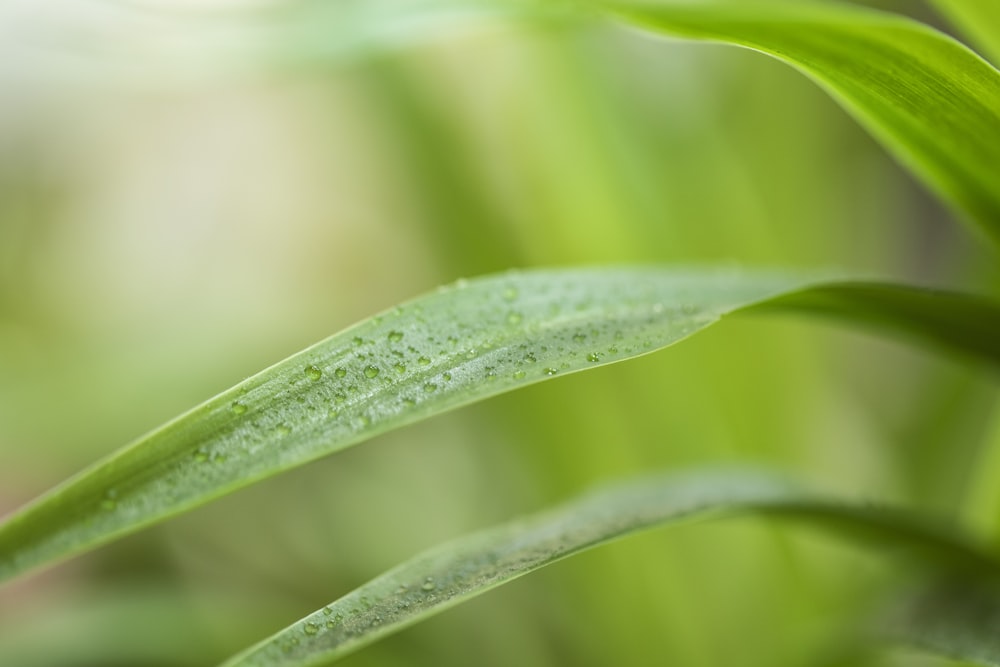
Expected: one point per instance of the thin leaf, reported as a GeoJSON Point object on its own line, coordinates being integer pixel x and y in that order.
{"type": "Point", "coordinates": [980, 19]}
{"type": "Point", "coordinates": [455, 572]}
{"type": "Point", "coordinates": [932, 102]}
{"type": "Point", "coordinates": [958, 618]}
{"type": "Point", "coordinates": [450, 348]}
{"type": "Point", "coordinates": [966, 324]}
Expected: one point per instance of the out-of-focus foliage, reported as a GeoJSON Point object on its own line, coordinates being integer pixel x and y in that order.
{"type": "Point", "coordinates": [177, 213]}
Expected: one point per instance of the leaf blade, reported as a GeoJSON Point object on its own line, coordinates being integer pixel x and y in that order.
{"type": "Point", "coordinates": [933, 103]}
{"type": "Point", "coordinates": [439, 352]}
{"type": "Point", "coordinates": [981, 20]}
{"type": "Point", "coordinates": [452, 573]}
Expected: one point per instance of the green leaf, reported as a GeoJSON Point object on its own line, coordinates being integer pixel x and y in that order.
{"type": "Point", "coordinates": [963, 323]}
{"type": "Point", "coordinates": [450, 574]}
{"type": "Point", "coordinates": [957, 618]}
{"type": "Point", "coordinates": [980, 19]}
{"type": "Point", "coordinates": [933, 103]}
{"type": "Point", "coordinates": [458, 345]}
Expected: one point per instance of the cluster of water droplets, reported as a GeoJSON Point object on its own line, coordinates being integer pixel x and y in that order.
{"type": "Point", "coordinates": [463, 342]}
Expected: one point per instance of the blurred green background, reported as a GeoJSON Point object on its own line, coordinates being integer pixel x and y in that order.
{"type": "Point", "coordinates": [192, 191]}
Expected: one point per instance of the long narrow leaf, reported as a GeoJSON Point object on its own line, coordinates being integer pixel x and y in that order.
{"type": "Point", "coordinates": [957, 618]}
{"type": "Point", "coordinates": [980, 19]}
{"type": "Point", "coordinates": [446, 576]}
{"type": "Point", "coordinates": [458, 345]}
{"type": "Point", "coordinates": [930, 100]}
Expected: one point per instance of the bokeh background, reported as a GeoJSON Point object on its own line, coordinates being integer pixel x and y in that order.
{"type": "Point", "coordinates": [191, 191]}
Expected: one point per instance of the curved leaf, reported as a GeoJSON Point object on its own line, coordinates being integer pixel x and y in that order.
{"type": "Point", "coordinates": [450, 574]}
{"type": "Point", "coordinates": [930, 100]}
{"type": "Point", "coordinates": [980, 19]}
{"type": "Point", "coordinates": [956, 618]}
{"type": "Point", "coordinates": [446, 349]}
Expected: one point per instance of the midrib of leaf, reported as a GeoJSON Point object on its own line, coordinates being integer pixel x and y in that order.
{"type": "Point", "coordinates": [446, 349]}
{"type": "Point", "coordinates": [453, 573]}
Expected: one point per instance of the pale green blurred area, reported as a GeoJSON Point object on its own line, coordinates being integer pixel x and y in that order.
{"type": "Point", "coordinates": [188, 195]}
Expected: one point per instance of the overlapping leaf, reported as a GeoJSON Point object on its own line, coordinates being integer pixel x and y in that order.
{"type": "Point", "coordinates": [455, 572]}
{"type": "Point", "coordinates": [931, 101]}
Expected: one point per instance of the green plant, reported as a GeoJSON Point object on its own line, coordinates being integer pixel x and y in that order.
{"type": "Point", "coordinates": [929, 100]}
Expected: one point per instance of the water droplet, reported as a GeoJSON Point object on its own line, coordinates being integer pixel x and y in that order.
{"type": "Point", "coordinates": [423, 361]}
{"type": "Point", "coordinates": [331, 624]}
{"type": "Point", "coordinates": [281, 430]}
{"type": "Point", "coordinates": [514, 318]}
{"type": "Point", "coordinates": [428, 584]}
{"type": "Point", "coordinates": [491, 374]}
{"type": "Point", "coordinates": [371, 371]}
{"type": "Point", "coordinates": [358, 340]}
{"type": "Point", "coordinates": [530, 357]}
{"type": "Point", "coordinates": [430, 387]}
{"type": "Point", "coordinates": [400, 368]}
{"type": "Point", "coordinates": [579, 338]}
{"type": "Point", "coordinates": [339, 397]}
{"type": "Point", "coordinates": [593, 356]}
{"type": "Point", "coordinates": [310, 628]}
{"type": "Point", "coordinates": [446, 377]}
{"type": "Point", "coordinates": [519, 375]}
{"type": "Point", "coordinates": [238, 408]}
{"type": "Point", "coordinates": [550, 371]}
{"type": "Point", "coordinates": [510, 294]}
{"type": "Point", "coordinates": [613, 349]}
{"type": "Point", "coordinates": [409, 402]}
{"type": "Point", "coordinates": [327, 610]}
{"type": "Point", "coordinates": [201, 455]}
{"type": "Point", "coordinates": [340, 372]}
{"type": "Point", "coordinates": [313, 373]}
{"type": "Point", "coordinates": [395, 336]}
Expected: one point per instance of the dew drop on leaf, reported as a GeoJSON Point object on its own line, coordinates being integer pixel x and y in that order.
{"type": "Point", "coordinates": [371, 371]}
{"type": "Point", "coordinates": [313, 373]}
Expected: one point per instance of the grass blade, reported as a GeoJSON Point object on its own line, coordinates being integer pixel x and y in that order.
{"type": "Point", "coordinates": [933, 103]}
{"type": "Point", "coordinates": [455, 572]}
{"type": "Point", "coordinates": [958, 618]}
{"type": "Point", "coordinates": [965, 324]}
{"type": "Point", "coordinates": [979, 19]}
{"type": "Point", "coordinates": [461, 344]}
